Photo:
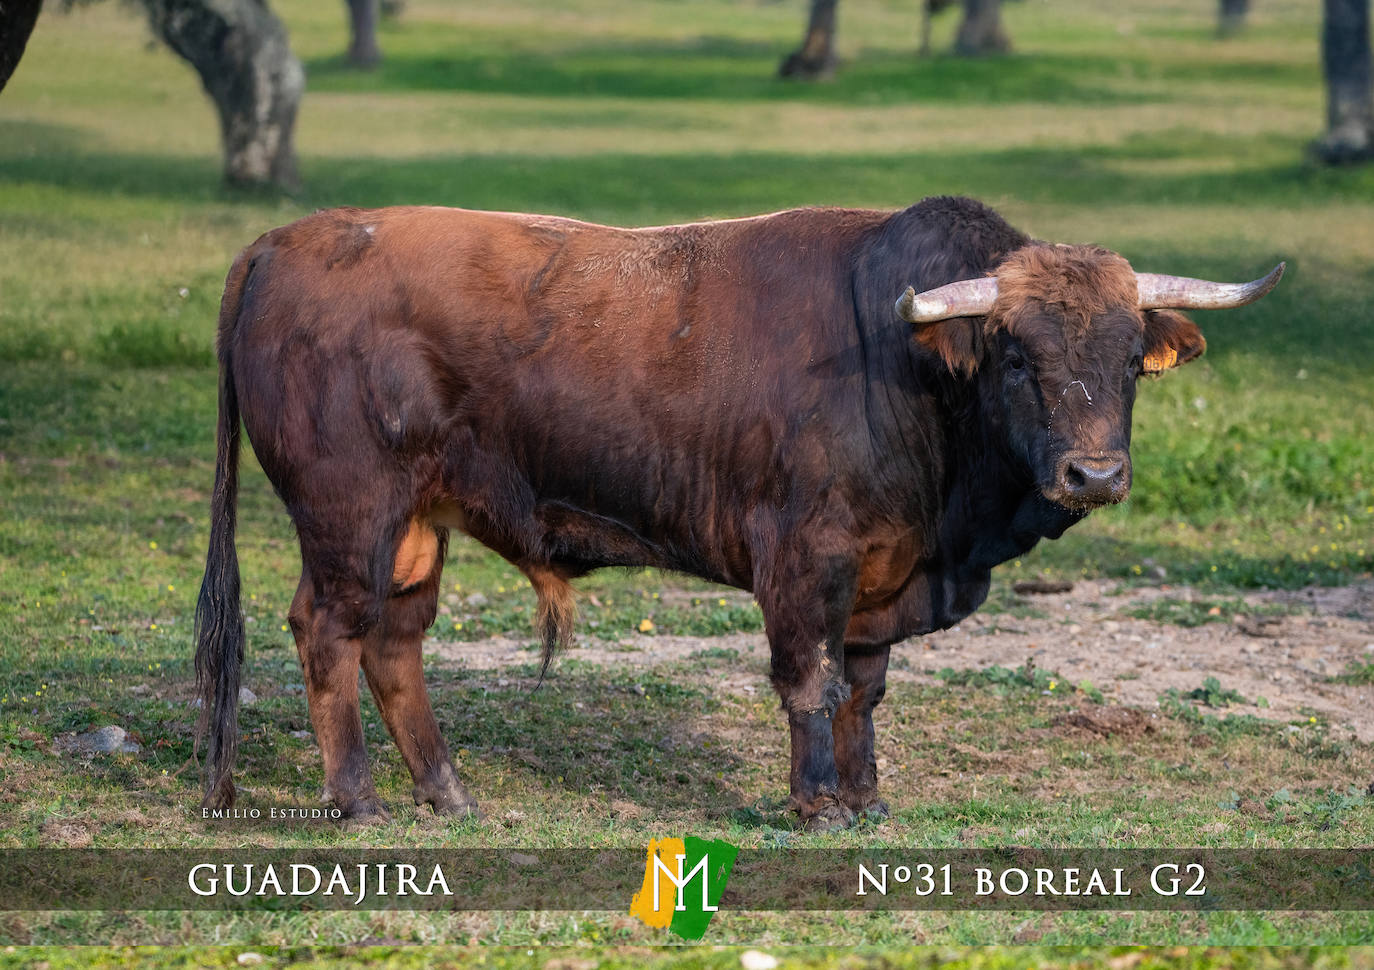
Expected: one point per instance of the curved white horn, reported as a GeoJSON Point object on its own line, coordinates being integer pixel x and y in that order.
{"type": "Point", "coordinates": [1159, 292]}
{"type": "Point", "coordinates": [966, 298]}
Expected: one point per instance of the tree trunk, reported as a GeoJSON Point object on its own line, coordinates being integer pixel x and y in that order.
{"type": "Point", "coordinates": [981, 32]}
{"type": "Point", "coordinates": [1231, 16]}
{"type": "Point", "coordinates": [816, 56]}
{"type": "Point", "coordinates": [243, 56]}
{"type": "Point", "coordinates": [362, 19]}
{"type": "Point", "coordinates": [17, 18]}
{"type": "Point", "coordinates": [1349, 102]}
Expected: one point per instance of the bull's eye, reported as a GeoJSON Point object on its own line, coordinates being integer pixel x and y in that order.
{"type": "Point", "coordinates": [1015, 362]}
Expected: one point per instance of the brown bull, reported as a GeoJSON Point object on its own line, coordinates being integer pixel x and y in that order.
{"type": "Point", "coordinates": [738, 400]}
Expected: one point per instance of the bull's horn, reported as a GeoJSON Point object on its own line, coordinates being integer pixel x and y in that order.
{"type": "Point", "coordinates": [1158, 292]}
{"type": "Point", "coordinates": [966, 298]}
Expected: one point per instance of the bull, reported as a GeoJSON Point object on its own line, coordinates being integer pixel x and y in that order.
{"type": "Point", "coordinates": [740, 400]}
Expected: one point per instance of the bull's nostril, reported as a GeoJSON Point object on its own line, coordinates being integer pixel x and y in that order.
{"type": "Point", "coordinates": [1093, 479]}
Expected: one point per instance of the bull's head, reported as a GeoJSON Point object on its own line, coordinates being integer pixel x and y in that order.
{"type": "Point", "coordinates": [1058, 338]}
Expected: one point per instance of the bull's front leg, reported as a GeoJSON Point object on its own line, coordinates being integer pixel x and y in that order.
{"type": "Point", "coordinates": [805, 623]}
{"type": "Point", "coordinates": [865, 670]}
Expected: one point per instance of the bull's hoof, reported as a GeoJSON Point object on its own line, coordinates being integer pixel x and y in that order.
{"type": "Point", "coordinates": [363, 812]}
{"type": "Point", "coordinates": [828, 814]}
{"type": "Point", "coordinates": [867, 804]}
{"type": "Point", "coordinates": [447, 797]}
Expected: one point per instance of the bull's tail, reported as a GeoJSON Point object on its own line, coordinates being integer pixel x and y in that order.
{"type": "Point", "coordinates": [556, 612]}
{"type": "Point", "coordinates": [219, 618]}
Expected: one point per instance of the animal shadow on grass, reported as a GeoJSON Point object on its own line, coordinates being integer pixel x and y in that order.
{"type": "Point", "coordinates": [629, 735]}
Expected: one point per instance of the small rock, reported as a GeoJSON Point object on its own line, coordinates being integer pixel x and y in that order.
{"type": "Point", "coordinates": [301, 734]}
{"type": "Point", "coordinates": [250, 959]}
{"type": "Point", "coordinates": [139, 689]}
{"type": "Point", "coordinates": [246, 696]}
{"type": "Point", "coordinates": [476, 599]}
{"type": "Point", "coordinates": [110, 739]}
{"type": "Point", "coordinates": [757, 960]}
{"type": "Point", "coordinates": [294, 688]}
{"type": "Point", "coordinates": [521, 859]}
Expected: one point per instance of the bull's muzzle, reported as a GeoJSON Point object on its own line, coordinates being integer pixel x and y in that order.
{"type": "Point", "coordinates": [1085, 480]}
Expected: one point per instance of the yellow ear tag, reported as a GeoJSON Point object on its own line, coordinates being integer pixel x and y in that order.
{"type": "Point", "coordinates": [1154, 363]}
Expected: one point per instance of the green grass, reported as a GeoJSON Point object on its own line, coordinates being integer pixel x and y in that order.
{"type": "Point", "coordinates": [723, 958]}
{"type": "Point", "coordinates": [1026, 677]}
{"type": "Point", "coordinates": [1201, 610]}
{"type": "Point", "coordinates": [1136, 129]}
{"type": "Point", "coordinates": [1357, 674]}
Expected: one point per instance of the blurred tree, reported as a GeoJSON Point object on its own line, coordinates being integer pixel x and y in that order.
{"type": "Point", "coordinates": [980, 33]}
{"type": "Point", "coordinates": [243, 56]}
{"type": "Point", "coordinates": [1349, 98]}
{"type": "Point", "coordinates": [362, 21]}
{"type": "Point", "coordinates": [981, 30]}
{"type": "Point", "coordinates": [17, 18]}
{"type": "Point", "coordinates": [1231, 16]}
{"type": "Point", "coordinates": [815, 58]}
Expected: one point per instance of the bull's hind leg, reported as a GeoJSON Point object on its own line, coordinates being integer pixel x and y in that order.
{"type": "Point", "coordinates": [865, 670]}
{"type": "Point", "coordinates": [393, 664]}
{"type": "Point", "coordinates": [329, 638]}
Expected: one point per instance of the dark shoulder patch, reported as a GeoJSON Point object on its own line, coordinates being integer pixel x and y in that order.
{"type": "Point", "coordinates": [968, 222]}
{"type": "Point", "coordinates": [947, 238]}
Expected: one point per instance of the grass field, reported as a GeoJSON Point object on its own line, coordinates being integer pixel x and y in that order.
{"type": "Point", "coordinates": [1134, 128]}
{"type": "Point", "coordinates": [718, 958]}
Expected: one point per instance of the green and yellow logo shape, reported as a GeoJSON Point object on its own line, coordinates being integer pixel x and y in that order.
{"type": "Point", "coordinates": [684, 880]}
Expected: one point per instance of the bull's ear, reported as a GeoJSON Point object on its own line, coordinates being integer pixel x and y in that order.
{"type": "Point", "coordinates": [1170, 339]}
{"type": "Point", "coordinates": [958, 342]}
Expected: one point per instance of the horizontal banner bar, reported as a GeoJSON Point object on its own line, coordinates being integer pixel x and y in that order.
{"type": "Point", "coordinates": [1187, 879]}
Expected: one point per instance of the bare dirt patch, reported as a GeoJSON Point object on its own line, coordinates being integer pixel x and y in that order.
{"type": "Point", "coordinates": [1290, 658]}
{"type": "Point", "coordinates": [1108, 722]}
